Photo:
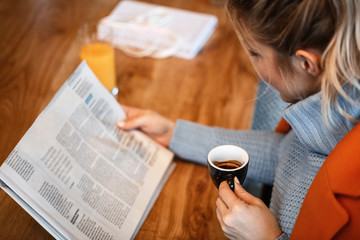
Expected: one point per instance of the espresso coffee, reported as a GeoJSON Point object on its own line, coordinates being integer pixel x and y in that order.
{"type": "Point", "coordinates": [225, 162]}
{"type": "Point", "coordinates": [229, 164]}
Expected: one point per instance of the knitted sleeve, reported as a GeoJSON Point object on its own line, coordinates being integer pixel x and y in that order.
{"type": "Point", "coordinates": [193, 141]}
{"type": "Point", "coordinates": [268, 107]}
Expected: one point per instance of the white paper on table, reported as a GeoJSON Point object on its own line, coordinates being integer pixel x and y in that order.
{"type": "Point", "coordinates": [156, 31]}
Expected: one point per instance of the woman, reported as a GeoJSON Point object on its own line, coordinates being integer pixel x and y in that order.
{"type": "Point", "coordinates": [309, 51]}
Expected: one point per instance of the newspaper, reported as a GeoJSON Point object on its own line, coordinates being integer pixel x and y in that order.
{"type": "Point", "coordinates": [80, 176]}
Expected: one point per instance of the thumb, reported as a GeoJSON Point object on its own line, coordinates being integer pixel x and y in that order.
{"type": "Point", "coordinates": [243, 194]}
{"type": "Point", "coordinates": [130, 123]}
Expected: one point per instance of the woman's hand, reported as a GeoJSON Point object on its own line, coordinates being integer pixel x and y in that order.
{"type": "Point", "coordinates": [154, 125]}
{"type": "Point", "coordinates": [243, 216]}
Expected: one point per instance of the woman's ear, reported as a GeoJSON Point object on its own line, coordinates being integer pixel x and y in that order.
{"type": "Point", "coordinates": [310, 61]}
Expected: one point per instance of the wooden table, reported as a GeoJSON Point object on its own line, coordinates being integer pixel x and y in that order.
{"type": "Point", "coordinates": [39, 50]}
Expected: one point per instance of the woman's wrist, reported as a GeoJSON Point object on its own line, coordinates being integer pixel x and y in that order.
{"type": "Point", "coordinates": [170, 133]}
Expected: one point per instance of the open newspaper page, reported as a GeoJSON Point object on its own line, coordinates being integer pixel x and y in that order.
{"type": "Point", "coordinates": [77, 174]}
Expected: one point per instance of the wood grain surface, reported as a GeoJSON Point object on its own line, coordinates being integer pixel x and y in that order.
{"type": "Point", "coordinates": [40, 45]}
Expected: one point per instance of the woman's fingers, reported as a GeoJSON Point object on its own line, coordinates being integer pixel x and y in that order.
{"type": "Point", "coordinates": [135, 118]}
{"type": "Point", "coordinates": [231, 198]}
{"type": "Point", "coordinates": [241, 193]}
{"type": "Point", "coordinates": [133, 112]}
{"type": "Point", "coordinates": [227, 195]}
{"type": "Point", "coordinates": [220, 208]}
{"type": "Point", "coordinates": [132, 123]}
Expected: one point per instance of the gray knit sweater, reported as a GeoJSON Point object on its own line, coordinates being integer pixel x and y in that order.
{"type": "Point", "coordinates": [288, 161]}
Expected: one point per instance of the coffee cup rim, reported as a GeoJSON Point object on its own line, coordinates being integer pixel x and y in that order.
{"type": "Point", "coordinates": [244, 163]}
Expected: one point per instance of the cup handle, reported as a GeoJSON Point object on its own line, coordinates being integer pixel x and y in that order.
{"type": "Point", "coordinates": [230, 181]}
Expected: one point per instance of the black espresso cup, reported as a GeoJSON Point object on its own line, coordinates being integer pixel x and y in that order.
{"type": "Point", "coordinates": [226, 162]}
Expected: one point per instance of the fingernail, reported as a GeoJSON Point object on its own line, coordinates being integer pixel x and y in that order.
{"type": "Point", "coordinates": [120, 124]}
{"type": "Point", "coordinates": [236, 180]}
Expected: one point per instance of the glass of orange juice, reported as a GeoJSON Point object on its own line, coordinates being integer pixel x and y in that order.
{"type": "Point", "coordinates": [100, 57]}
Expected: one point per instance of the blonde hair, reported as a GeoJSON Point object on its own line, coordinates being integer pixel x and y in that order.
{"type": "Point", "coordinates": [331, 26]}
